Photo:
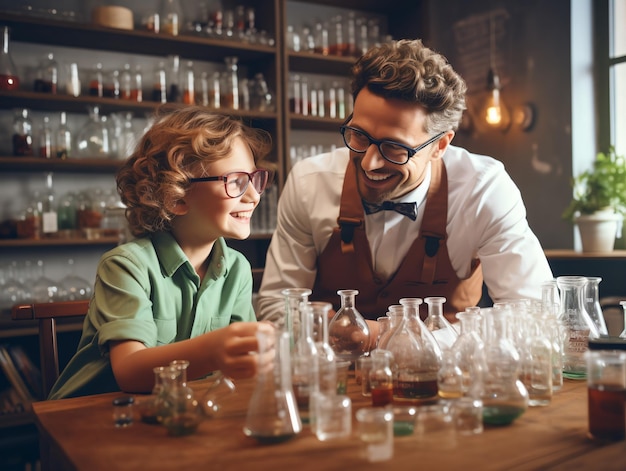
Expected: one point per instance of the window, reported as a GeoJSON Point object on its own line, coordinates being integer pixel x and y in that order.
{"type": "Point", "coordinates": [611, 56]}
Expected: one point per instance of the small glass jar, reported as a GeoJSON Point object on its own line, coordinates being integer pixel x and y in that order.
{"type": "Point", "coordinates": [47, 75]}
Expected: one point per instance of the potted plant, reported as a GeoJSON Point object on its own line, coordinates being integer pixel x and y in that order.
{"type": "Point", "coordinates": [599, 202]}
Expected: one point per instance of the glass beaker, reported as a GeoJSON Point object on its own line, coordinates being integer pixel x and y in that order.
{"type": "Point", "coordinates": [592, 304]}
{"type": "Point", "coordinates": [348, 333]}
{"type": "Point", "coordinates": [381, 378]}
{"type": "Point", "coordinates": [578, 325]}
{"type": "Point", "coordinates": [272, 412]}
{"type": "Point", "coordinates": [8, 73]}
{"type": "Point", "coordinates": [504, 396]}
{"type": "Point", "coordinates": [443, 331]}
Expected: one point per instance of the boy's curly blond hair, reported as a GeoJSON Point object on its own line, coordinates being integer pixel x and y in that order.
{"type": "Point", "coordinates": [176, 148]}
{"type": "Point", "coordinates": [409, 71]}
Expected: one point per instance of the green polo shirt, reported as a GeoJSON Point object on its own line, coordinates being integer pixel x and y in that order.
{"type": "Point", "coordinates": [146, 290]}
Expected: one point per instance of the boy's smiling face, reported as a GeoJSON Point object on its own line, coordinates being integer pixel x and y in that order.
{"type": "Point", "coordinates": [210, 212]}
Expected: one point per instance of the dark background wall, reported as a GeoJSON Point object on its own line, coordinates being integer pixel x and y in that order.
{"type": "Point", "coordinates": [533, 58]}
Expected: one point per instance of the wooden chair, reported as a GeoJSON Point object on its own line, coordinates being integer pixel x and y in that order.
{"type": "Point", "coordinates": [47, 315]}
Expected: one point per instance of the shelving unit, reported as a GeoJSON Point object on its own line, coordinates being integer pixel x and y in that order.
{"type": "Point", "coordinates": [276, 62]}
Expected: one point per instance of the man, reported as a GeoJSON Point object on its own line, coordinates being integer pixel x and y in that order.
{"type": "Point", "coordinates": [400, 212]}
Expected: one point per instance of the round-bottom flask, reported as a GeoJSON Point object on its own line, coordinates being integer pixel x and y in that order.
{"type": "Point", "coordinates": [348, 333]}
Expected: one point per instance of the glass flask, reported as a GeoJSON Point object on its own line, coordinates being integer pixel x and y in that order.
{"type": "Point", "coordinates": [381, 378]}
{"type": "Point", "coordinates": [326, 355]}
{"type": "Point", "coordinates": [182, 413]}
{"type": "Point", "coordinates": [305, 364]}
{"type": "Point", "coordinates": [22, 133]}
{"type": "Point", "coordinates": [93, 140]}
{"type": "Point", "coordinates": [450, 377]}
{"type": "Point", "coordinates": [468, 350]}
{"type": "Point", "coordinates": [417, 357]}
{"type": "Point", "coordinates": [294, 299]}
{"type": "Point", "coordinates": [46, 142]}
{"type": "Point", "coordinates": [443, 331]}
{"type": "Point", "coordinates": [577, 324]}
{"type": "Point", "coordinates": [272, 415]}
{"type": "Point", "coordinates": [395, 313]}
{"type": "Point", "coordinates": [147, 406]}
{"type": "Point", "coordinates": [592, 303]}
{"type": "Point", "coordinates": [219, 396]}
{"type": "Point", "coordinates": [8, 73]}
{"type": "Point", "coordinates": [171, 17]}
{"type": "Point", "coordinates": [536, 360]}
{"type": "Point", "coordinates": [504, 396]}
{"type": "Point", "coordinates": [348, 333]}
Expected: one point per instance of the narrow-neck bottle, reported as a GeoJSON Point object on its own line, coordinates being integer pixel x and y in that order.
{"type": "Point", "coordinates": [9, 79]}
{"type": "Point", "coordinates": [349, 335]}
{"type": "Point", "coordinates": [444, 332]}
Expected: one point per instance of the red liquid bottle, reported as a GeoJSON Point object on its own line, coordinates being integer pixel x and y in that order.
{"type": "Point", "coordinates": [8, 73]}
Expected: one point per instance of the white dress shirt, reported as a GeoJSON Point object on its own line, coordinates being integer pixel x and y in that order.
{"type": "Point", "coordinates": [486, 220]}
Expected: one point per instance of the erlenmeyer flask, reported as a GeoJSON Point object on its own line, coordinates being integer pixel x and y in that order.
{"type": "Point", "coordinates": [219, 397]}
{"type": "Point", "coordinates": [184, 414]}
{"type": "Point", "coordinates": [272, 412]}
{"type": "Point", "coordinates": [348, 333]}
{"type": "Point", "coordinates": [294, 297]}
{"type": "Point", "coordinates": [578, 325]}
{"type": "Point", "coordinates": [417, 357]}
{"type": "Point", "coordinates": [504, 396]}
{"type": "Point", "coordinates": [444, 332]}
{"type": "Point", "coordinates": [592, 303]}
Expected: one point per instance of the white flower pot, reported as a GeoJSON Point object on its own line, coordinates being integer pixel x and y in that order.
{"type": "Point", "coordinates": [598, 230]}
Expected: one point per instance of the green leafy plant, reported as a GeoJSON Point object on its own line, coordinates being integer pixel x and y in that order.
{"type": "Point", "coordinates": [602, 187]}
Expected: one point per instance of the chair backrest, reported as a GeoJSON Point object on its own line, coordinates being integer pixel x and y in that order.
{"type": "Point", "coordinates": [47, 315]}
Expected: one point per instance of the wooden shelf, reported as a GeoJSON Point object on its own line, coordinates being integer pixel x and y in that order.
{"type": "Point", "coordinates": [26, 243]}
{"type": "Point", "coordinates": [89, 36]}
{"type": "Point", "coordinates": [319, 64]}
{"type": "Point", "coordinates": [568, 254]}
{"type": "Point", "coordinates": [73, 165]}
{"type": "Point", "coordinates": [315, 123]}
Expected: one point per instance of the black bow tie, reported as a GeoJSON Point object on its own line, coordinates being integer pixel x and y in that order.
{"type": "Point", "coordinates": [406, 209]}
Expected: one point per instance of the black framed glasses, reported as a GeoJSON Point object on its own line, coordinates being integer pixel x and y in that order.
{"type": "Point", "coordinates": [236, 183]}
{"type": "Point", "coordinates": [395, 152]}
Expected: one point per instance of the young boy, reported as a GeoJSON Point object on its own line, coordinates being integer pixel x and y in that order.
{"type": "Point", "coordinates": [176, 292]}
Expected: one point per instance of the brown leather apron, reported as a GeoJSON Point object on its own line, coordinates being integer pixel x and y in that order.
{"type": "Point", "coordinates": [346, 262]}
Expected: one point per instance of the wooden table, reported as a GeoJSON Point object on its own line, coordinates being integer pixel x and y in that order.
{"type": "Point", "coordinates": [79, 434]}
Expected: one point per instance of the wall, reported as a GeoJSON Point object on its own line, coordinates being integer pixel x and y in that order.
{"type": "Point", "coordinates": [533, 59]}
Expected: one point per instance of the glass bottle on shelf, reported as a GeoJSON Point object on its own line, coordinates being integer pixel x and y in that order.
{"type": "Point", "coordinates": [125, 81]}
{"type": "Point", "coordinates": [112, 87]}
{"type": "Point", "coordinates": [173, 94]}
{"type": "Point", "coordinates": [417, 356]}
{"type": "Point", "coordinates": [44, 289]}
{"type": "Point", "coordinates": [66, 212]}
{"type": "Point", "coordinates": [444, 332]}
{"type": "Point", "coordinates": [189, 83]}
{"type": "Point", "coordinates": [232, 89]}
{"type": "Point", "coordinates": [136, 89]}
{"type": "Point", "coordinates": [171, 17]}
{"type": "Point", "coordinates": [49, 220]}
{"type": "Point", "coordinates": [159, 84]}
{"type": "Point", "coordinates": [63, 139]}
{"type": "Point", "coordinates": [348, 333]}
{"type": "Point", "coordinates": [96, 81]}
{"type": "Point", "coordinates": [72, 83]}
{"type": "Point", "coordinates": [577, 324]}
{"type": "Point", "coordinates": [22, 133]}
{"type": "Point", "coordinates": [74, 287]}
{"type": "Point", "coordinates": [9, 79]}
{"type": "Point", "coordinates": [592, 303]}
{"type": "Point", "coordinates": [46, 143]}
{"type": "Point", "coordinates": [47, 75]}
{"type": "Point", "coordinates": [93, 140]}
{"type": "Point", "coordinates": [272, 415]}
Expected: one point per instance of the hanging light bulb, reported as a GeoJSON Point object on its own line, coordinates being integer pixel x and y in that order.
{"type": "Point", "coordinates": [494, 111]}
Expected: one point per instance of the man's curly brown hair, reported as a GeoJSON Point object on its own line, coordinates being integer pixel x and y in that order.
{"type": "Point", "coordinates": [409, 71]}
{"type": "Point", "coordinates": [176, 148]}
